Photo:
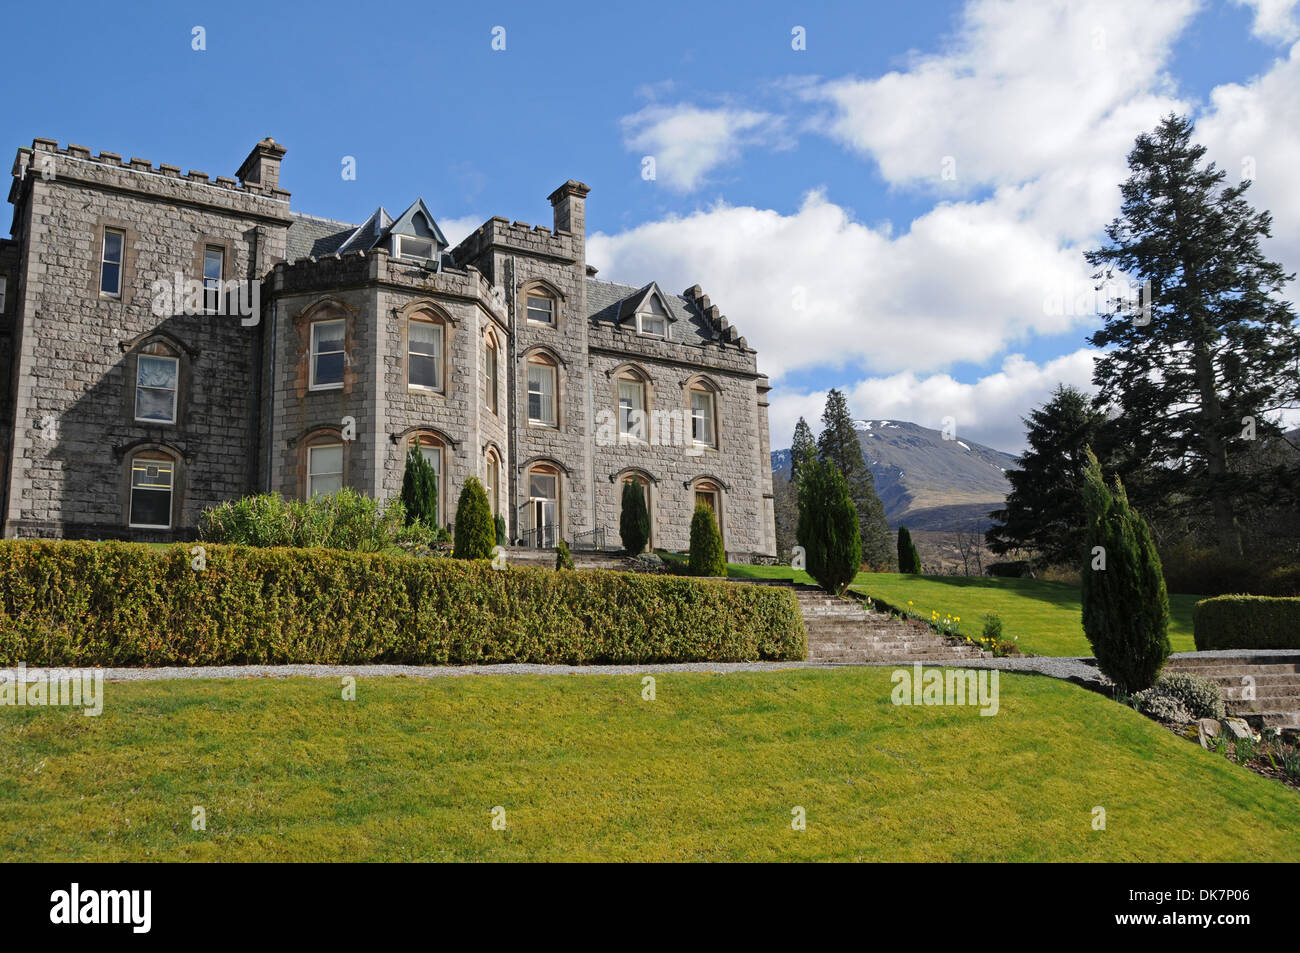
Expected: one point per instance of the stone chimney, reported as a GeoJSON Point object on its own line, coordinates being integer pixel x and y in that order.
{"type": "Point", "coordinates": [262, 167]}
{"type": "Point", "coordinates": [570, 204]}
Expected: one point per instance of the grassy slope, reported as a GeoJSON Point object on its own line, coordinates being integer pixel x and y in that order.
{"type": "Point", "coordinates": [587, 770]}
{"type": "Point", "coordinates": [1045, 615]}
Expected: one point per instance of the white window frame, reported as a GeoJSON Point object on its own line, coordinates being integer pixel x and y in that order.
{"type": "Point", "coordinates": [540, 296]}
{"type": "Point", "coordinates": [171, 491]}
{"type": "Point", "coordinates": [313, 354]}
{"type": "Point", "coordinates": [212, 286]}
{"type": "Point", "coordinates": [441, 339]}
{"type": "Point", "coordinates": [120, 263]}
{"type": "Point", "coordinates": [492, 476]}
{"type": "Point", "coordinates": [712, 417]}
{"type": "Point", "coordinates": [312, 474]}
{"type": "Point", "coordinates": [401, 252]}
{"type": "Point", "coordinates": [626, 432]}
{"type": "Point", "coordinates": [491, 372]}
{"type": "Point", "coordinates": [4, 292]}
{"type": "Point", "coordinates": [555, 394]}
{"type": "Point", "coordinates": [176, 363]}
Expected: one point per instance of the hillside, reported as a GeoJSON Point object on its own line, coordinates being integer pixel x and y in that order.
{"type": "Point", "coordinates": [925, 481]}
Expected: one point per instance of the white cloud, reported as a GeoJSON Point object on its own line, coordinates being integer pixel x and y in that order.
{"type": "Point", "coordinates": [457, 230]}
{"type": "Point", "coordinates": [688, 142]}
{"type": "Point", "coordinates": [1275, 20]}
{"type": "Point", "coordinates": [817, 288]}
{"type": "Point", "coordinates": [987, 411]}
{"type": "Point", "coordinates": [1253, 130]}
{"type": "Point", "coordinates": [1025, 87]}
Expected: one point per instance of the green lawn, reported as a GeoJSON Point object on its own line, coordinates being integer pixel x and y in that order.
{"type": "Point", "coordinates": [587, 770]}
{"type": "Point", "coordinates": [1045, 615]}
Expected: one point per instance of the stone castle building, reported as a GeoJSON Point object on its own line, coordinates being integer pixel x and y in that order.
{"type": "Point", "coordinates": [172, 341]}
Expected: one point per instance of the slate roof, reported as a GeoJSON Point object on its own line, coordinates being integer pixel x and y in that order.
{"type": "Point", "coordinates": [311, 236]}
{"type": "Point", "coordinates": [605, 299]}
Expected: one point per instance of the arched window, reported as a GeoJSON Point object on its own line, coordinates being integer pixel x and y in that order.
{"type": "Point", "coordinates": [642, 481]}
{"type": "Point", "coordinates": [702, 406]}
{"type": "Point", "coordinates": [543, 505]}
{"type": "Point", "coordinates": [325, 465]}
{"type": "Point", "coordinates": [153, 486]}
{"type": "Point", "coordinates": [540, 306]}
{"type": "Point", "coordinates": [157, 383]}
{"type": "Point", "coordinates": [425, 334]}
{"type": "Point", "coordinates": [633, 394]}
{"type": "Point", "coordinates": [491, 382]}
{"type": "Point", "coordinates": [708, 493]}
{"type": "Point", "coordinates": [492, 477]}
{"type": "Point", "coordinates": [433, 450]}
{"type": "Point", "coordinates": [543, 388]}
{"type": "Point", "coordinates": [328, 353]}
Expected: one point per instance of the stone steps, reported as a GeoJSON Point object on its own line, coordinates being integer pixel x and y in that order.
{"type": "Point", "coordinates": [845, 631]}
{"type": "Point", "coordinates": [1275, 677]}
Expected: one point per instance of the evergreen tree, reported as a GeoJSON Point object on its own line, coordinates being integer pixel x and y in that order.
{"type": "Point", "coordinates": [419, 489]}
{"type": "Point", "coordinates": [502, 538]}
{"type": "Point", "coordinates": [475, 529]}
{"type": "Point", "coordinates": [634, 520]}
{"type": "Point", "coordinates": [801, 448]}
{"type": "Point", "coordinates": [1214, 343]}
{"type": "Point", "coordinates": [828, 526]}
{"type": "Point", "coordinates": [707, 557]}
{"type": "Point", "coordinates": [785, 510]}
{"type": "Point", "coordinates": [1125, 605]}
{"type": "Point", "coordinates": [839, 444]}
{"type": "Point", "coordinates": [909, 560]}
{"type": "Point", "coordinates": [1044, 510]}
{"type": "Point", "coordinates": [563, 558]}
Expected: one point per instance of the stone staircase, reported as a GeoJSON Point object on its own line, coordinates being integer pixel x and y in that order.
{"type": "Point", "coordinates": [582, 559]}
{"type": "Point", "coordinates": [1275, 675]}
{"type": "Point", "coordinates": [845, 630]}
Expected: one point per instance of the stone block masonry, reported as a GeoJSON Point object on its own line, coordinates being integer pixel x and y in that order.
{"type": "Point", "coordinates": [500, 359]}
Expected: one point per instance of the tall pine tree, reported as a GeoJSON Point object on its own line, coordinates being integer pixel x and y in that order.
{"type": "Point", "coordinates": [839, 445]}
{"type": "Point", "coordinates": [801, 448]}
{"type": "Point", "coordinates": [1216, 348]}
{"type": "Point", "coordinates": [1044, 511]}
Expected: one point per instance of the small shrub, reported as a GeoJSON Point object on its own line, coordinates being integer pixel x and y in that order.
{"type": "Point", "coordinates": [992, 627]}
{"type": "Point", "coordinates": [475, 530]}
{"type": "Point", "coordinates": [829, 529]}
{"type": "Point", "coordinates": [634, 519]}
{"type": "Point", "coordinates": [707, 555]}
{"type": "Point", "coordinates": [500, 523]}
{"type": "Point", "coordinates": [1161, 707]}
{"type": "Point", "coordinates": [1246, 622]}
{"type": "Point", "coordinates": [420, 489]}
{"type": "Point", "coordinates": [1125, 606]}
{"type": "Point", "coordinates": [1246, 749]}
{"type": "Point", "coordinates": [1180, 692]}
{"type": "Point", "coordinates": [1291, 763]}
{"type": "Point", "coordinates": [563, 558]}
{"type": "Point", "coordinates": [909, 560]}
{"type": "Point", "coordinates": [342, 520]}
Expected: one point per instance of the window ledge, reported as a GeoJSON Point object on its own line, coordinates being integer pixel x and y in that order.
{"type": "Point", "coordinates": [320, 387]}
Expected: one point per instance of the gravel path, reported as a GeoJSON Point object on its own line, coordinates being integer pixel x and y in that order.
{"type": "Point", "coordinates": [1081, 671]}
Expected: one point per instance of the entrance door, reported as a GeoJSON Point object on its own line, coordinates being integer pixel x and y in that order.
{"type": "Point", "coordinates": [543, 506]}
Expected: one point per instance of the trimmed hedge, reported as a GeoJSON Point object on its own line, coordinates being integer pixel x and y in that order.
{"type": "Point", "coordinates": [1246, 622]}
{"type": "Point", "coordinates": [128, 604]}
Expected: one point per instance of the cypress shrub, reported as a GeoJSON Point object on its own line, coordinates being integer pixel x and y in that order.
{"type": "Point", "coordinates": [828, 525]}
{"type": "Point", "coordinates": [909, 560]}
{"type": "Point", "coordinates": [1125, 605]}
{"type": "Point", "coordinates": [475, 529]}
{"type": "Point", "coordinates": [80, 603]}
{"type": "Point", "coordinates": [707, 555]}
{"type": "Point", "coordinates": [502, 538]}
{"type": "Point", "coordinates": [563, 558]}
{"type": "Point", "coordinates": [420, 489]}
{"type": "Point", "coordinates": [634, 520]}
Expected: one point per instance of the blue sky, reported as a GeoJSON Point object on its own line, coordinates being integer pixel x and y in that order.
{"type": "Point", "coordinates": [802, 188]}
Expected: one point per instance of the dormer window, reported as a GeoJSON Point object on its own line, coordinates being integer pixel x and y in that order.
{"type": "Point", "coordinates": [414, 248]}
{"type": "Point", "coordinates": [653, 320]}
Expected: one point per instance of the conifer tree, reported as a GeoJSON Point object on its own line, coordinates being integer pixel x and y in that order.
{"type": "Point", "coordinates": [909, 560]}
{"type": "Point", "coordinates": [1125, 605]}
{"type": "Point", "coordinates": [828, 526]}
{"type": "Point", "coordinates": [419, 489]}
{"type": "Point", "coordinates": [634, 519]}
{"type": "Point", "coordinates": [1195, 367]}
{"type": "Point", "coordinates": [475, 529]}
{"type": "Point", "coordinates": [839, 445]}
